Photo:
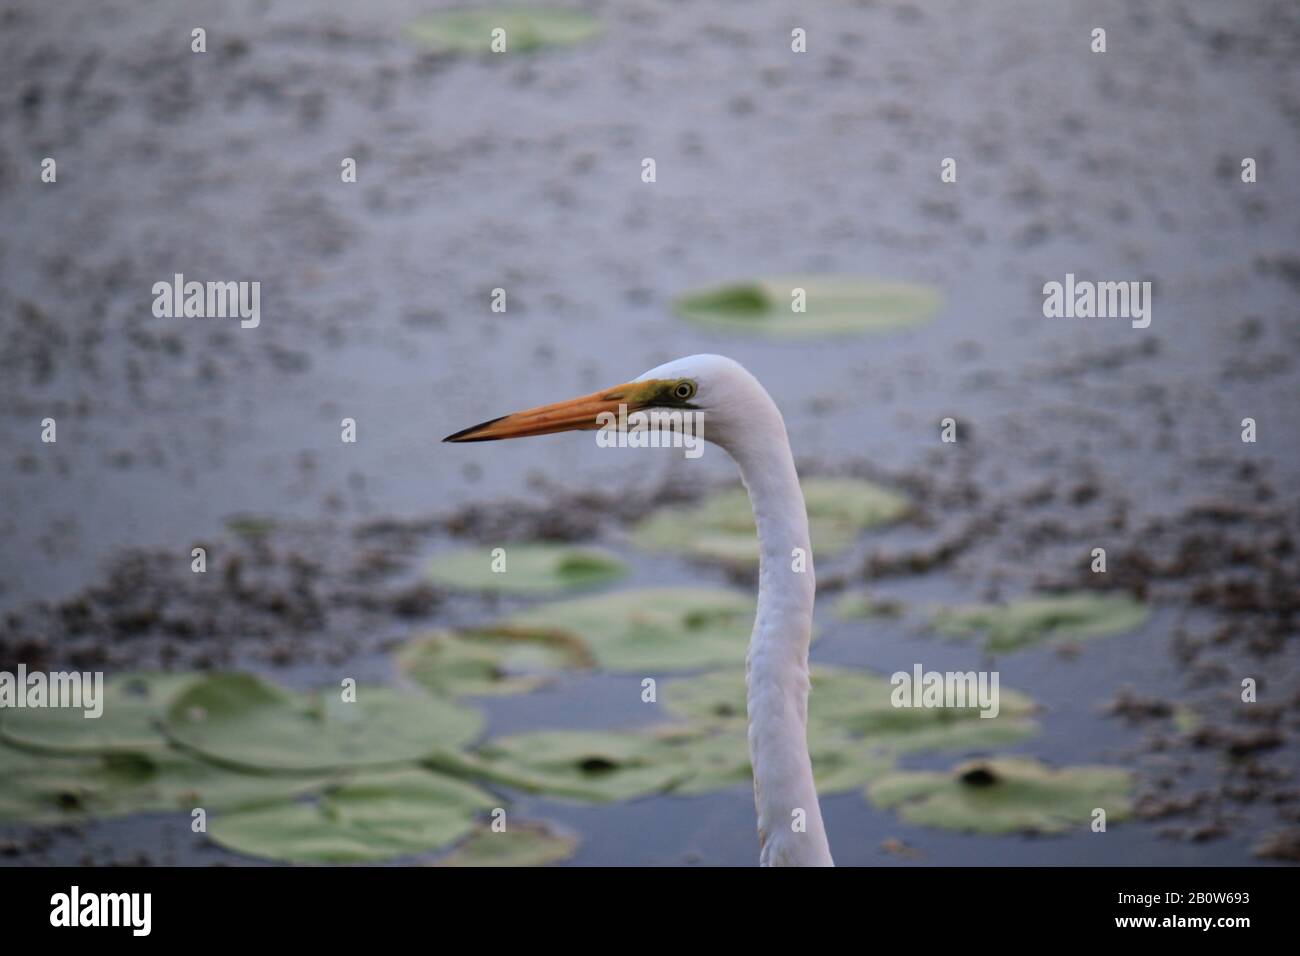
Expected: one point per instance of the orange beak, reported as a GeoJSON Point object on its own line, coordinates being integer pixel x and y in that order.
{"type": "Point", "coordinates": [577, 414]}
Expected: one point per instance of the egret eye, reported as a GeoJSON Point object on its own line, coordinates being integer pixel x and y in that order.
{"type": "Point", "coordinates": [683, 390]}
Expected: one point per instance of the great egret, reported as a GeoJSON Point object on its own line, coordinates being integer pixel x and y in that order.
{"type": "Point", "coordinates": [742, 419]}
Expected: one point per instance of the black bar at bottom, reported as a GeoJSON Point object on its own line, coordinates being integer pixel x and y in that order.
{"type": "Point", "coordinates": [227, 905]}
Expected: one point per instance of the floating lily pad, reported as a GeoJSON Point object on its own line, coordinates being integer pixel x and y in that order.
{"type": "Point", "coordinates": [589, 765]}
{"type": "Point", "coordinates": [46, 789]}
{"type": "Point", "coordinates": [652, 628]}
{"type": "Point", "coordinates": [43, 789]}
{"type": "Point", "coordinates": [251, 527]}
{"type": "Point", "coordinates": [520, 844]}
{"type": "Point", "coordinates": [720, 759]}
{"type": "Point", "coordinates": [1006, 795]}
{"type": "Point", "coordinates": [842, 763]}
{"type": "Point", "coordinates": [714, 760]}
{"type": "Point", "coordinates": [489, 661]}
{"type": "Point", "coordinates": [854, 730]}
{"type": "Point", "coordinates": [240, 721]}
{"type": "Point", "coordinates": [451, 667]}
{"type": "Point", "coordinates": [527, 28]}
{"type": "Point", "coordinates": [721, 527]}
{"type": "Point", "coordinates": [176, 781]}
{"type": "Point", "coordinates": [1006, 627]}
{"type": "Point", "coordinates": [133, 706]}
{"type": "Point", "coordinates": [833, 306]}
{"type": "Point", "coordinates": [375, 816]}
{"type": "Point", "coordinates": [532, 650]}
{"type": "Point", "coordinates": [1186, 719]}
{"type": "Point", "coordinates": [528, 569]}
{"type": "Point", "coordinates": [859, 705]}
{"type": "Point", "coordinates": [863, 704]}
{"type": "Point", "coordinates": [715, 699]}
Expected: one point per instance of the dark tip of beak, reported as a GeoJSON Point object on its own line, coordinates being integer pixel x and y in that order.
{"type": "Point", "coordinates": [467, 434]}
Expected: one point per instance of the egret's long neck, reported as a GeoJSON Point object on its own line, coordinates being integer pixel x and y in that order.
{"type": "Point", "coordinates": [789, 818]}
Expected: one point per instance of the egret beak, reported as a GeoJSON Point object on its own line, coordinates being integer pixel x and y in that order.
{"type": "Point", "coordinates": [577, 414]}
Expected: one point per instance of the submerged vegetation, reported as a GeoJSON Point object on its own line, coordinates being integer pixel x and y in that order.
{"type": "Point", "coordinates": [526, 569]}
{"type": "Point", "coordinates": [810, 306]}
{"type": "Point", "coordinates": [519, 29]}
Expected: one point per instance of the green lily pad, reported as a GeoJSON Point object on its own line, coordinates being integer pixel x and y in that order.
{"type": "Point", "coordinates": [859, 705]}
{"type": "Point", "coordinates": [715, 699]}
{"type": "Point", "coordinates": [719, 760]}
{"type": "Point", "coordinates": [1186, 719]}
{"type": "Point", "coordinates": [590, 765]}
{"type": "Point", "coordinates": [486, 661]}
{"type": "Point", "coordinates": [1006, 795]}
{"type": "Point", "coordinates": [133, 706]}
{"type": "Point", "coordinates": [445, 665]}
{"type": "Point", "coordinates": [862, 704]}
{"type": "Point", "coordinates": [240, 721]}
{"type": "Point", "coordinates": [714, 760]}
{"type": "Point", "coordinates": [833, 306]}
{"type": "Point", "coordinates": [529, 569]}
{"type": "Point", "coordinates": [653, 628]}
{"type": "Point", "coordinates": [842, 763]}
{"type": "Point", "coordinates": [520, 844]}
{"type": "Point", "coordinates": [527, 28]}
{"type": "Point", "coordinates": [176, 781]}
{"type": "Point", "coordinates": [41, 789]}
{"type": "Point", "coordinates": [251, 527]}
{"type": "Point", "coordinates": [721, 527]}
{"type": "Point", "coordinates": [49, 789]}
{"type": "Point", "coordinates": [1007, 627]}
{"type": "Point", "coordinates": [374, 816]}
